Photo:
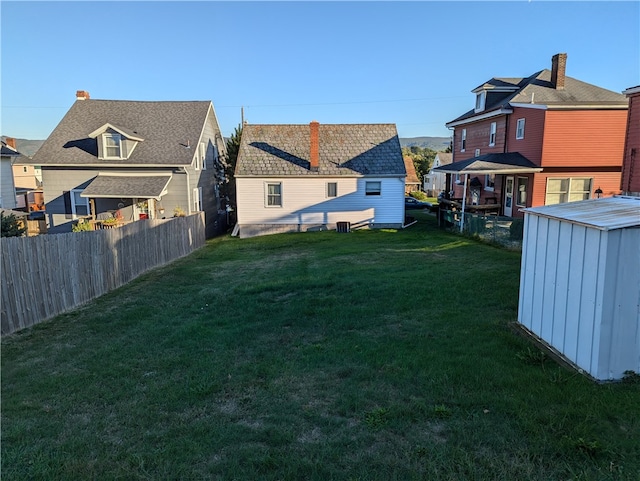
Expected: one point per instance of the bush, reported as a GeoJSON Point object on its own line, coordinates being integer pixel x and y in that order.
{"type": "Point", "coordinates": [516, 230]}
{"type": "Point", "coordinates": [12, 226]}
{"type": "Point", "coordinates": [81, 226]}
{"type": "Point", "coordinates": [419, 195]}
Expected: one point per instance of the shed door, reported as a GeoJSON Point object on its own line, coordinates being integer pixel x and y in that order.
{"type": "Point", "coordinates": [508, 196]}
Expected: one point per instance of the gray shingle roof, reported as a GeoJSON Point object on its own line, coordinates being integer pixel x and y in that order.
{"type": "Point", "coordinates": [166, 128]}
{"type": "Point", "coordinates": [445, 158]}
{"type": "Point", "coordinates": [538, 88]}
{"type": "Point", "coordinates": [345, 149]}
{"type": "Point", "coordinates": [127, 186]}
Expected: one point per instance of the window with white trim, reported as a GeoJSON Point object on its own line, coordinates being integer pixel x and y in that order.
{"type": "Point", "coordinates": [492, 134]}
{"type": "Point", "coordinates": [112, 146]}
{"type": "Point", "coordinates": [457, 179]}
{"type": "Point", "coordinates": [373, 188]}
{"type": "Point", "coordinates": [332, 189]}
{"type": "Point", "coordinates": [273, 194]}
{"type": "Point", "coordinates": [521, 191]}
{"type": "Point", "coordinates": [481, 98]}
{"type": "Point", "coordinates": [489, 182]}
{"type": "Point", "coordinates": [197, 199]}
{"type": "Point", "coordinates": [79, 204]}
{"type": "Point", "coordinates": [203, 156]}
{"type": "Point", "coordinates": [463, 141]}
{"type": "Point", "coordinates": [568, 189]}
{"type": "Point", "coordinates": [477, 154]}
{"type": "Point", "coordinates": [520, 129]}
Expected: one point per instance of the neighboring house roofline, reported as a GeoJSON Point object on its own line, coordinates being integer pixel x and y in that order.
{"type": "Point", "coordinates": [321, 176]}
{"type": "Point", "coordinates": [632, 90]}
{"type": "Point", "coordinates": [483, 116]}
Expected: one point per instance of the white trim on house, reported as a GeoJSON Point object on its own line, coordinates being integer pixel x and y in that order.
{"type": "Point", "coordinates": [475, 118]}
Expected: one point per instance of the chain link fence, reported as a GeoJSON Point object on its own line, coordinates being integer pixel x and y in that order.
{"type": "Point", "coordinates": [499, 230]}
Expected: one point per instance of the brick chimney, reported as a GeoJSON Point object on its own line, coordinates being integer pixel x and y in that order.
{"type": "Point", "coordinates": [82, 95]}
{"type": "Point", "coordinates": [11, 142]}
{"type": "Point", "coordinates": [314, 147]}
{"type": "Point", "coordinates": [558, 68]}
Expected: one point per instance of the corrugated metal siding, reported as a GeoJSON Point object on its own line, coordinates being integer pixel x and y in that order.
{"type": "Point", "coordinates": [580, 292]}
{"type": "Point", "coordinates": [589, 138]}
{"type": "Point", "coordinates": [305, 201]}
{"type": "Point", "coordinates": [534, 125]}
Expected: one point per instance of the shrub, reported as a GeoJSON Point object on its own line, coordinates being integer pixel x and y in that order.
{"type": "Point", "coordinates": [81, 226]}
{"type": "Point", "coordinates": [419, 195]}
{"type": "Point", "coordinates": [12, 226]}
{"type": "Point", "coordinates": [516, 230]}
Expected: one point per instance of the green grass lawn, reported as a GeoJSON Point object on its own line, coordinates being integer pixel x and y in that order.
{"type": "Point", "coordinates": [373, 355]}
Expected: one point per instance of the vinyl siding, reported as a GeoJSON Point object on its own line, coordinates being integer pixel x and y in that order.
{"type": "Point", "coordinates": [631, 165]}
{"type": "Point", "coordinates": [584, 138]}
{"type": "Point", "coordinates": [305, 202]}
{"type": "Point", "coordinates": [534, 125]}
{"type": "Point", "coordinates": [478, 138]}
{"type": "Point", "coordinates": [609, 182]}
{"type": "Point", "coordinates": [7, 187]}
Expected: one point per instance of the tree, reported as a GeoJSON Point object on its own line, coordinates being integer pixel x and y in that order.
{"type": "Point", "coordinates": [422, 159]}
{"type": "Point", "coordinates": [11, 226]}
{"type": "Point", "coordinates": [230, 161]}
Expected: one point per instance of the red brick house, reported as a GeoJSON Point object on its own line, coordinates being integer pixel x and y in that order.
{"type": "Point", "coordinates": [631, 163]}
{"type": "Point", "coordinates": [569, 136]}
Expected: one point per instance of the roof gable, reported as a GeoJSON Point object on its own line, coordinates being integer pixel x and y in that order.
{"type": "Point", "coordinates": [344, 149]}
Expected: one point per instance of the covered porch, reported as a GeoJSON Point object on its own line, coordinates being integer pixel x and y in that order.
{"type": "Point", "coordinates": [501, 191]}
{"type": "Point", "coordinates": [116, 200]}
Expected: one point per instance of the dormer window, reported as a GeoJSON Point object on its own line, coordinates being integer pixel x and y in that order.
{"type": "Point", "coordinates": [112, 146]}
{"type": "Point", "coordinates": [115, 142]}
{"type": "Point", "coordinates": [481, 98]}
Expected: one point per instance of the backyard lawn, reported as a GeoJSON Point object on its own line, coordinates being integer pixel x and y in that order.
{"type": "Point", "coordinates": [372, 355]}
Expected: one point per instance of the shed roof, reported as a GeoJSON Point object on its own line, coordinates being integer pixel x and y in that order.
{"type": "Point", "coordinates": [608, 213]}
{"type": "Point", "coordinates": [344, 149]}
{"type": "Point", "coordinates": [127, 186]}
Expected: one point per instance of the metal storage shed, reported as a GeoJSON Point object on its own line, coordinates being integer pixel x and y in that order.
{"type": "Point", "coordinates": [580, 282]}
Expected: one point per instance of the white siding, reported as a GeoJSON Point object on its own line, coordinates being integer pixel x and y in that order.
{"type": "Point", "coordinates": [580, 293]}
{"type": "Point", "coordinates": [304, 202]}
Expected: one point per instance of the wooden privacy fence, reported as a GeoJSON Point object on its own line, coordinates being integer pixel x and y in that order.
{"type": "Point", "coordinates": [46, 275]}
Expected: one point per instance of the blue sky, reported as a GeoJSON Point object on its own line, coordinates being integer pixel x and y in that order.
{"type": "Point", "coordinates": [409, 63]}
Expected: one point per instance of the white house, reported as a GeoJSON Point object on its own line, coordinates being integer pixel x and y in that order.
{"type": "Point", "coordinates": [436, 182]}
{"type": "Point", "coordinates": [296, 178]}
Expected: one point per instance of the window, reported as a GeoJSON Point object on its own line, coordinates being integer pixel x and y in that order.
{"type": "Point", "coordinates": [112, 144]}
{"type": "Point", "coordinates": [521, 194]}
{"type": "Point", "coordinates": [197, 199]}
{"type": "Point", "coordinates": [489, 181]}
{"type": "Point", "coordinates": [273, 194]}
{"type": "Point", "coordinates": [332, 189]}
{"type": "Point", "coordinates": [520, 129]}
{"type": "Point", "coordinates": [481, 97]}
{"type": "Point", "coordinates": [79, 205]}
{"type": "Point", "coordinates": [477, 152]}
{"type": "Point", "coordinates": [373, 188]}
{"type": "Point", "coordinates": [567, 190]}
{"type": "Point", "coordinates": [203, 156]}
{"type": "Point", "coordinates": [457, 179]}
{"type": "Point", "coordinates": [492, 134]}
{"type": "Point", "coordinates": [463, 142]}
